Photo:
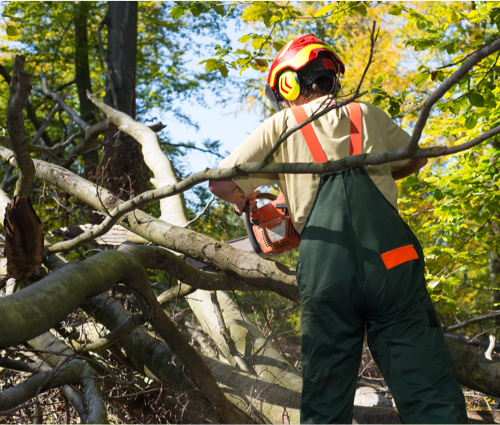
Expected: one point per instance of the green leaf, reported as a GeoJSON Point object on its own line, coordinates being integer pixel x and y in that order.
{"type": "Point", "coordinates": [11, 31]}
{"type": "Point", "coordinates": [245, 38]}
{"type": "Point", "coordinates": [219, 10]}
{"type": "Point", "coordinates": [438, 195]}
{"type": "Point", "coordinates": [258, 42]}
{"type": "Point", "coordinates": [223, 70]}
{"type": "Point", "coordinates": [476, 99]}
{"type": "Point", "coordinates": [177, 12]}
{"type": "Point", "coordinates": [394, 108]}
{"type": "Point", "coordinates": [451, 48]}
{"type": "Point", "coordinates": [470, 122]}
{"type": "Point", "coordinates": [211, 64]}
{"type": "Point", "coordinates": [278, 45]}
{"type": "Point", "coordinates": [395, 10]}
{"type": "Point", "coordinates": [379, 81]}
{"type": "Point", "coordinates": [422, 78]}
{"type": "Point", "coordinates": [361, 9]}
{"type": "Point", "coordinates": [195, 11]}
{"type": "Point", "coordinates": [254, 13]}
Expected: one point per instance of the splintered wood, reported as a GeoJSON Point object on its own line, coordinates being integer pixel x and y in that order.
{"type": "Point", "coordinates": [23, 238]}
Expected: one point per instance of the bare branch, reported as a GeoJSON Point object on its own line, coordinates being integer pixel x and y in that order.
{"type": "Point", "coordinates": [73, 115]}
{"type": "Point", "coordinates": [443, 88]}
{"type": "Point", "coordinates": [114, 336]}
{"type": "Point", "coordinates": [45, 124]}
{"type": "Point", "coordinates": [29, 108]}
{"type": "Point", "coordinates": [20, 89]}
{"type": "Point", "coordinates": [258, 167]}
{"type": "Point", "coordinates": [470, 321]}
{"type": "Point", "coordinates": [203, 212]}
{"type": "Point", "coordinates": [184, 145]}
{"type": "Point", "coordinates": [91, 134]}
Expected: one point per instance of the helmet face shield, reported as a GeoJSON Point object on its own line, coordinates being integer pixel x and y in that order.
{"type": "Point", "coordinates": [272, 98]}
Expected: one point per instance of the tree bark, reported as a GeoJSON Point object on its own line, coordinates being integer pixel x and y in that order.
{"type": "Point", "coordinates": [82, 69]}
{"type": "Point", "coordinates": [122, 162]}
{"type": "Point", "coordinates": [23, 238]}
{"type": "Point", "coordinates": [20, 89]}
{"type": "Point", "coordinates": [88, 378]}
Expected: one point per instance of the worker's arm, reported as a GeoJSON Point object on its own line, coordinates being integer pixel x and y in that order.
{"type": "Point", "coordinates": [411, 167]}
{"type": "Point", "coordinates": [228, 191]}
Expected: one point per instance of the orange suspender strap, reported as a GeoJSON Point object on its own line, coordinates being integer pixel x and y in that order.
{"type": "Point", "coordinates": [309, 134]}
{"type": "Point", "coordinates": [356, 129]}
{"type": "Point", "coordinates": [312, 139]}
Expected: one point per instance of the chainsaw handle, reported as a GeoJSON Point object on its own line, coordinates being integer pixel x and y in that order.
{"type": "Point", "coordinates": [268, 196]}
{"type": "Point", "coordinates": [245, 215]}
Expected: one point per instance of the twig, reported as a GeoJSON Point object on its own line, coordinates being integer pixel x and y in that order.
{"type": "Point", "coordinates": [467, 56]}
{"type": "Point", "coordinates": [356, 95]}
{"type": "Point", "coordinates": [12, 412]}
{"type": "Point", "coordinates": [231, 346]}
{"type": "Point", "coordinates": [183, 145]}
{"type": "Point", "coordinates": [203, 212]}
{"type": "Point", "coordinates": [271, 329]}
{"type": "Point", "coordinates": [470, 321]}
{"type": "Point", "coordinates": [73, 115]}
{"type": "Point", "coordinates": [44, 125]}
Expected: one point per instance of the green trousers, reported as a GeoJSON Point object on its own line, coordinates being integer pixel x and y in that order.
{"type": "Point", "coordinates": [346, 287]}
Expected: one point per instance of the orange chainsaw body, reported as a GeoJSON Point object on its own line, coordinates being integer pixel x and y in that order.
{"type": "Point", "coordinates": [273, 227]}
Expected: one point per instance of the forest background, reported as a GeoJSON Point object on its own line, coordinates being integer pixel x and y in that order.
{"type": "Point", "coordinates": [179, 64]}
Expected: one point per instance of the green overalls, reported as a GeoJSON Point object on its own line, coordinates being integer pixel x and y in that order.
{"type": "Point", "coordinates": [358, 268]}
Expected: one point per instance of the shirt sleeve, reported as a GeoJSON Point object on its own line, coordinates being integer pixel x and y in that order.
{"type": "Point", "coordinates": [396, 138]}
{"type": "Point", "coordinates": [254, 149]}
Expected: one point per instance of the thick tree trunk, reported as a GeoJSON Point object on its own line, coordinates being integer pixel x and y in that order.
{"type": "Point", "coordinates": [122, 162]}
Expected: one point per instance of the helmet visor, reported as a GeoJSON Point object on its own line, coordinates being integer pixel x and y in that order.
{"type": "Point", "coordinates": [272, 98]}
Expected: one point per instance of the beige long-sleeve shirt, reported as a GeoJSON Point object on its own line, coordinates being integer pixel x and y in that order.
{"type": "Point", "coordinates": [380, 134]}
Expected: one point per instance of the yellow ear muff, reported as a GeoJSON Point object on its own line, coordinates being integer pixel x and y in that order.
{"type": "Point", "coordinates": [289, 85]}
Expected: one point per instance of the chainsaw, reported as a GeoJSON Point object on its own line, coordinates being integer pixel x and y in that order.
{"type": "Point", "coordinates": [269, 228]}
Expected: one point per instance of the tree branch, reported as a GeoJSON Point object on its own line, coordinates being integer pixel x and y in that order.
{"type": "Point", "coordinates": [172, 210]}
{"type": "Point", "coordinates": [20, 89]}
{"type": "Point", "coordinates": [443, 88]}
{"type": "Point", "coordinates": [113, 337]}
{"type": "Point", "coordinates": [29, 108]}
{"type": "Point", "coordinates": [45, 124]}
{"type": "Point", "coordinates": [49, 302]}
{"type": "Point", "coordinates": [54, 96]}
{"type": "Point", "coordinates": [470, 321]}
{"type": "Point", "coordinates": [269, 168]}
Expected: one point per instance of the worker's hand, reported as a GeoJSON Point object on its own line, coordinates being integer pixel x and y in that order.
{"type": "Point", "coordinates": [250, 199]}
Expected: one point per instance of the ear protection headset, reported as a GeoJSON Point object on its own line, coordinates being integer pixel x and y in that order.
{"type": "Point", "coordinates": [289, 85]}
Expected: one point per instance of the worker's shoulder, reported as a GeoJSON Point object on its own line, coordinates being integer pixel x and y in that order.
{"type": "Point", "coordinates": [275, 121]}
{"type": "Point", "coordinates": [371, 109]}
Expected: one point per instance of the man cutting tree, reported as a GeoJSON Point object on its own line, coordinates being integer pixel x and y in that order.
{"type": "Point", "coordinates": [360, 266]}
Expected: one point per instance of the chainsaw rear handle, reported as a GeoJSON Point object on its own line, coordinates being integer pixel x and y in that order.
{"type": "Point", "coordinates": [245, 215]}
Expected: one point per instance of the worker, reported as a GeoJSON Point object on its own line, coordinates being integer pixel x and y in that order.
{"type": "Point", "coordinates": [360, 266]}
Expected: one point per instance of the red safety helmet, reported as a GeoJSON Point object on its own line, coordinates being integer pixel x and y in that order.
{"type": "Point", "coordinates": [296, 55]}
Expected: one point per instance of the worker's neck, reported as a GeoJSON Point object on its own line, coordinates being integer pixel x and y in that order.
{"type": "Point", "coordinates": [301, 100]}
